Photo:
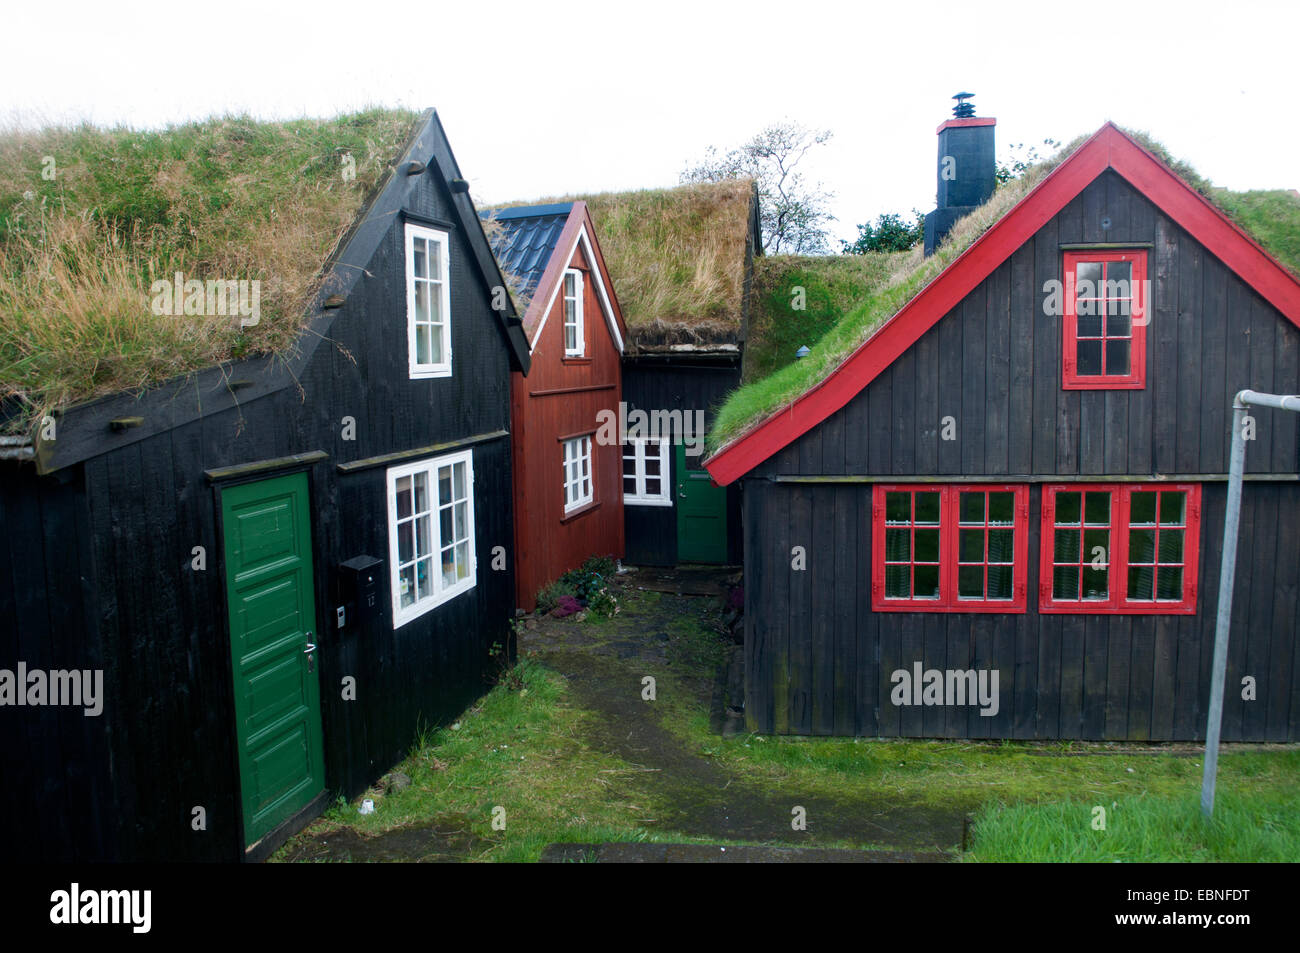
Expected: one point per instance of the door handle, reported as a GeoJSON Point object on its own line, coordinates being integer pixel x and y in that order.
{"type": "Point", "coordinates": [309, 651]}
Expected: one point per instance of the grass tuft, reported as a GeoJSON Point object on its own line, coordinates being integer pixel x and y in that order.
{"type": "Point", "coordinates": [1254, 828]}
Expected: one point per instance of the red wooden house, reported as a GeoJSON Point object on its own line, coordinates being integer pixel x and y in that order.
{"type": "Point", "coordinates": [568, 485]}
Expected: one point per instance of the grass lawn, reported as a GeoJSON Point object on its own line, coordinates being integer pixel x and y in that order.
{"type": "Point", "coordinates": [520, 749]}
{"type": "Point", "coordinates": [531, 748]}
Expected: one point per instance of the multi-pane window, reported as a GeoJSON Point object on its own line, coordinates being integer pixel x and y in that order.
{"type": "Point", "coordinates": [1120, 549]}
{"type": "Point", "coordinates": [986, 536]}
{"type": "Point", "coordinates": [950, 548]}
{"type": "Point", "coordinates": [1080, 544]}
{"type": "Point", "coordinates": [645, 472]}
{"type": "Point", "coordinates": [1106, 311]}
{"type": "Point", "coordinates": [573, 333]}
{"type": "Point", "coordinates": [430, 533]}
{"type": "Point", "coordinates": [428, 302]}
{"type": "Point", "coordinates": [577, 473]}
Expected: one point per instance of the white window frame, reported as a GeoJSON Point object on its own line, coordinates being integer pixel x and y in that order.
{"type": "Point", "coordinates": [441, 592]}
{"type": "Point", "coordinates": [434, 368]}
{"type": "Point", "coordinates": [578, 486]}
{"type": "Point", "coordinates": [637, 451]}
{"type": "Point", "coordinates": [578, 322]}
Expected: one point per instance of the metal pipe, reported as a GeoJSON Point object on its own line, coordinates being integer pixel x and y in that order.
{"type": "Point", "coordinates": [1276, 401]}
{"type": "Point", "coordinates": [1227, 573]}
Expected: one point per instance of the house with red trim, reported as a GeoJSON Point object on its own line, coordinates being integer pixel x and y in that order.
{"type": "Point", "coordinates": [997, 511]}
{"type": "Point", "coordinates": [568, 483]}
{"type": "Point", "coordinates": [680, 268]}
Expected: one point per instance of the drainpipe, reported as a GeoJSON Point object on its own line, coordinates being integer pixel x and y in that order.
{"type": "Point", "coordinates": [1231, 523]}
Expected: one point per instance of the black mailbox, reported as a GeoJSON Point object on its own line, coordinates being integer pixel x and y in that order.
{"type": "Point", "coordinates": [361, 584]}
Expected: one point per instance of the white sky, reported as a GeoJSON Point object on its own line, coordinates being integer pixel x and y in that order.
{"type": "Point", "coordinates": [543, 99]}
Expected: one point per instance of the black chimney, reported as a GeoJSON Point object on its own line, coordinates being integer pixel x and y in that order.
{"type": "Point", "coordinates": [966, 170]}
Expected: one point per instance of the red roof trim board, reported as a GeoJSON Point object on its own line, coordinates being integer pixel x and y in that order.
{"type": "Point", "coordinates": [976, 121]}
{"type": "Point", "coordinates": [1108, 148]}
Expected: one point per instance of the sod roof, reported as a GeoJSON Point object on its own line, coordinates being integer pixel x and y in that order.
{"type": "Point", "coordinates": [847, 298]}
{"type": "Point", "coordinates": [677, 258]}
{"type": "Point", "coordinates": [90, 218]}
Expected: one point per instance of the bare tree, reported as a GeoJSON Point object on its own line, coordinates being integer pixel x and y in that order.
{"type": "Point", "coordinates": [794, 213]}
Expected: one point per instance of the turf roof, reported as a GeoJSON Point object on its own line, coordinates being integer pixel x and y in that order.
{"type": "Point", "coordinates": [226, 198]}
{"type": "Point", "coordinates": [847, 300]}
{"type": "Point", "coordinates": [677, 260]}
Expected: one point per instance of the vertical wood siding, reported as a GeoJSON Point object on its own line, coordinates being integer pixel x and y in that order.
{"type": "Point", "coordinates": [654, 383]}
{"type": "Point", "coordinates": [547, 545]}
{"type": "Point", "coordinates": [993, 365]}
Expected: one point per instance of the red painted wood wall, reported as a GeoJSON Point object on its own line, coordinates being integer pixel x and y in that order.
{"type": "Point", "coordinates": [560, 398]}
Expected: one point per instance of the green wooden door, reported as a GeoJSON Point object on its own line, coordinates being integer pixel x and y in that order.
{"type": "Point", "coordinates": [270, 596]}
{"type": "Point", "coordinates": [701, 512]}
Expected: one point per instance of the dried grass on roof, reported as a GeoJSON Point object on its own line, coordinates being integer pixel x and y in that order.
{"type": "Point", "coordinates": [676, 258]}
{"type": "Point", "coordinates": [223, 199]}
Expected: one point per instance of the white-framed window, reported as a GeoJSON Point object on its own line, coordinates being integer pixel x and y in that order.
{"type": "Point", "coordinates": [645, 472]}
{"type": "Point", "coordinates": [428, 302]}
{"type": "Point", "coordinates": [577, 473]}
{"type": "Point", "coordinates": [430, 533]}
{"type": "Point", "coordinates": [574, 342]}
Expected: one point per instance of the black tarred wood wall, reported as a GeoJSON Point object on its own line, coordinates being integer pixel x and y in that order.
{"type": "Point", "coordinates": [819, 660]}
{"type": "Point", "coordinates": [657, 383]}
{"type": "Point", "coordinates": [95, 572]}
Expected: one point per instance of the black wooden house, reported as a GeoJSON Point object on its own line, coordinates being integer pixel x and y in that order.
{"type": "Point", "coordinates": [1000, 481]}
{"type": "Point", "coordinates": [284, 568]}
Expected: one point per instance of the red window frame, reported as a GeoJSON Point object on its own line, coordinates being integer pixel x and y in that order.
{"type": "Point", "coordinates": [1139, 318]}
{"type": "Point", "coordinates": [1116, 560]}
{"type": "Point", "coordinates": [950, 555]}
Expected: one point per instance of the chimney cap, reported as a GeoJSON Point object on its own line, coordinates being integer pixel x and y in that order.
{"type": "Point", "coordinates": [963, 109]}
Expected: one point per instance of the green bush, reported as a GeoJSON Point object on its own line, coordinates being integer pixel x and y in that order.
{"type": "Point", "coordinates": [586, 584]}
{"type": "Point", "coordinates": [890, 233]}
{"type": "Point", "coordinates": [603, 604]}
{"type": "Point", "coordinates": [548, 597]}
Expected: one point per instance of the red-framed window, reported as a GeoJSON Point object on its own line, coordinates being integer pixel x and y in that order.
{"type": "Point", "coordinates": [1106, 317]}
{"type": "Point", "coordinates": [959, 548]}
{"type": "Point", "coordinates": [1119, 548]}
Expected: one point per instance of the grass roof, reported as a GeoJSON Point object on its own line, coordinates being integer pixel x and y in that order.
{"type": "Point", "coordinates": [799, 298]}
{"type": "Point", "coordinates": [676, 257]}
{"type": "Point", "coordinates": [222, 199]}
{"type": "Point", "coordinates": [853, 299]}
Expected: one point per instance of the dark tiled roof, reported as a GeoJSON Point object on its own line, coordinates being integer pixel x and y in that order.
{"type": "Point", "coordinates": [527, 238]}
